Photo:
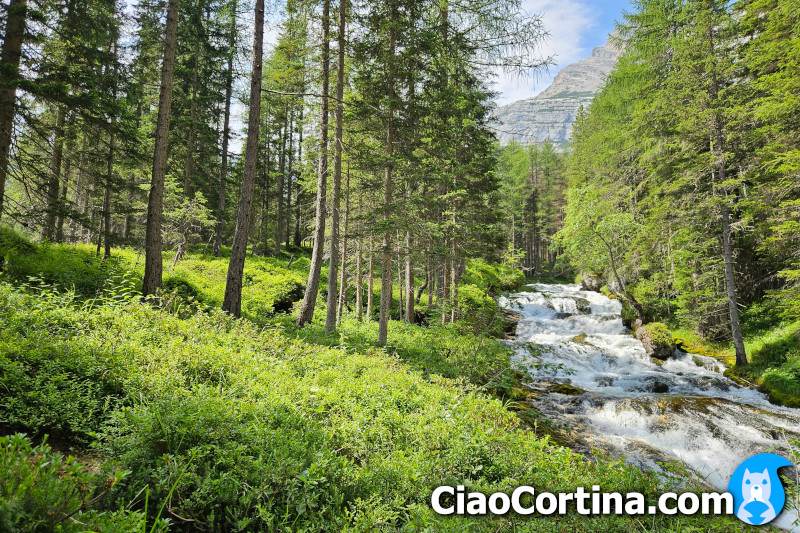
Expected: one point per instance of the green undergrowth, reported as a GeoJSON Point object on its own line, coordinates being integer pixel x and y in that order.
{"type": "Point", "coordinates": [44, 490]}
{"type": "Point", "coordinates": [270, 285]}
{"type": "Point", "coordinates": [227, 426]}
{"type": "Point", "coordinates": [450, 350]}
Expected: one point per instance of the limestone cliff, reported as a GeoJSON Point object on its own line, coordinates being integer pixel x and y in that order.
{"type": "Point", "coordinates": [550, 115]}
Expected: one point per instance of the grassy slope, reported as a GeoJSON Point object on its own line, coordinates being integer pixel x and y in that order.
{"type": "Point", "coordinates": [258, 430]}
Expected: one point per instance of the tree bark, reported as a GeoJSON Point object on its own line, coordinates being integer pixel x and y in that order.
{"type": "Point", "coordinates": [727, 248]}
{"type": "Point", "coordinates": [9, 74]}
{"type": "Point", "coordinates": [422, 287]}
{"type": "Point", "coordinates": [232, 302]}
{"type": "Point", "coordinates": [289, 173]}
{"type": "Point", "coordinates": [153, 263]}
{"type": "Point", "coordinates": [733, 309]}
{"type": "Point", "coordinates": [312, 286]}
{"type": "Point", "coordinates": [107, 197]}
{"type": "Point", "coordinates": [330, 315]}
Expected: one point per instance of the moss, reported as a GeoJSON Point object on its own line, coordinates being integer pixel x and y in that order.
{"type": "Point", "coordinates": [580, 339]}
{"type": "Point", "coordinates": [565, 388]}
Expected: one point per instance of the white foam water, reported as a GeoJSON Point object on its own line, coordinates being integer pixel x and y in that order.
{"type": "Point", "coordinates": [682, 409]}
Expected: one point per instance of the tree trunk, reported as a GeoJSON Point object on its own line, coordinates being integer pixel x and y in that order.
{"type": "Point", "coordinates": [226, 134]}
{"type": "Point", "coordinates": [733, 309]}
{"type": "Point", "coordinates": [400, 293]}
{"type": "Point", "coordinates": [330, 315]}
{"type": "Point", "coordinates": [188, 177]}
{"type": "Point", "coordinates": [107, 197]}
{"type": "Point", "coordinates": [359, 282]}
{"type": "Point", "coordinates": [289, 173]}
{"type": "Point", "coordinates": [9, 74]}
{"type": "Point", "coordinates": [386, 264]}
{"type": "Point", "coordinates": [727, 248]}
{"type": "Point", "coordinates": [153, 263]}
{"type": "Point", "coordinates": [279, 187]}
{"type": "Point", "coordinates": [422, 287]}
{"type": "Point", "coordinates": [64, 200]}
{"type": "Point", "coordinates": [312, 286]}
{"type": "Point", "coordinates": [431, 272]}
{"type": "Point", "coordinates": [79, 190]}
{"type": "Point", "coordinates": [409, 280]}
{"type": "Point", "coordinates": [343, 280]}
{"type": "Point", "coordinates": [454, 280]}
{"type": "Point", "coordinates": [54, 182]}
{"type": "Point", "coordinates": [298, 188]}
{"type": "Point", "coordinates": [232, 302]}
{"type": "Point", "coordinates": [371, 269]}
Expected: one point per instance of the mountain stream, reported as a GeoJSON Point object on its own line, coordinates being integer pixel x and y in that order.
{"type": "Point", "coordinates": [649, 411]}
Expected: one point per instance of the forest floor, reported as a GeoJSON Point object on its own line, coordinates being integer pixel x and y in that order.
{"type": "Point", "coordinates": [180, 412]}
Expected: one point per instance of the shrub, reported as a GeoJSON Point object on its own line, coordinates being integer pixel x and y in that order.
{"type": "Point", "coordinates": [44, 491]}
{"type": "Point", "coordinates": [479, 311]}
{"type": "Point", "coordinates": [52, 386]}
{"type": "Point", "coordinates": [492, 278]}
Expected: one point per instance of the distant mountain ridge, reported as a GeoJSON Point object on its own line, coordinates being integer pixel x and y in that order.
{"type": "Point", "coordinates": [549, 115]}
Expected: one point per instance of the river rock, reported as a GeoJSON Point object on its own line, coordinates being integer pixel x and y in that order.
{"type": "Point", "coordinates": [660, 387]}
{"type": "Point", "coordinates": [657, 340]}
{"type": "Point", "coordinates": [591, 282]}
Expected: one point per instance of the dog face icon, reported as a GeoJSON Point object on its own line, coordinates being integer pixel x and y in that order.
{"type": "Point", "coordinates": [757, 491]}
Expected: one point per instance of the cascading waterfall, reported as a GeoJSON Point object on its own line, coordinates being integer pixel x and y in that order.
{"type": "Point", "coordinates": [682, 409]}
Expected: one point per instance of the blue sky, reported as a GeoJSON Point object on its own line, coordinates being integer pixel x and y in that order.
{"type": "Point", "coordinates": [575, 26]}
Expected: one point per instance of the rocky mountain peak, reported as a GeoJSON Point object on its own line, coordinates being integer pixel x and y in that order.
{"type": "Point", "coordinates": [549, 115]}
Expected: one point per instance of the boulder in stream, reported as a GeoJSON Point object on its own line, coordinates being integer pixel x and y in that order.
{"type": "Point", "coordinates": [591, 282]}
{"type": "Point", "coordinates": [657, 340]}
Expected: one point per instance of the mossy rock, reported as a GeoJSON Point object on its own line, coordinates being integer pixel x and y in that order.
{"type": "Point", "coordinates": [581, 339]}
{"type": "Point", "coordinates": [583, 305]}
{"type": "Point", "coordinates": [565, 388]}
{"type": "Point", "coordinates": [657, 340]}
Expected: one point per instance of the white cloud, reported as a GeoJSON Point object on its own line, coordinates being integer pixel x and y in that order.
{"type": "Point", "coordinates": [567, 21]}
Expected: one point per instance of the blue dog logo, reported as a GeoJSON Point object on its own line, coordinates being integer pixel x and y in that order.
{"type": "Point", "coordinates": [758, 495]}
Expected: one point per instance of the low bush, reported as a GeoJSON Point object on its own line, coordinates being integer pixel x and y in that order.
{"type": "Point", "coordinates": [492, 278]}
{"type": "Point", "coordinates": [43, 490]}
{"type": "Point", "coordinates": [75, 268]}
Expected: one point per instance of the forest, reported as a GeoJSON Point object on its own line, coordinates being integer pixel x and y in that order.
{"type": "Point", "coordinates": [264, 266]}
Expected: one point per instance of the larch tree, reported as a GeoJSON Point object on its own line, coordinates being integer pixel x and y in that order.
{"type": "Point", "coordinates": [153, 267]}
{"type": "Point", "coordinates": [332, 302]}
{"type": "Point", "coordinates": [306, 313]}
{"type": "Point", "coordinates": [232, 302]}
